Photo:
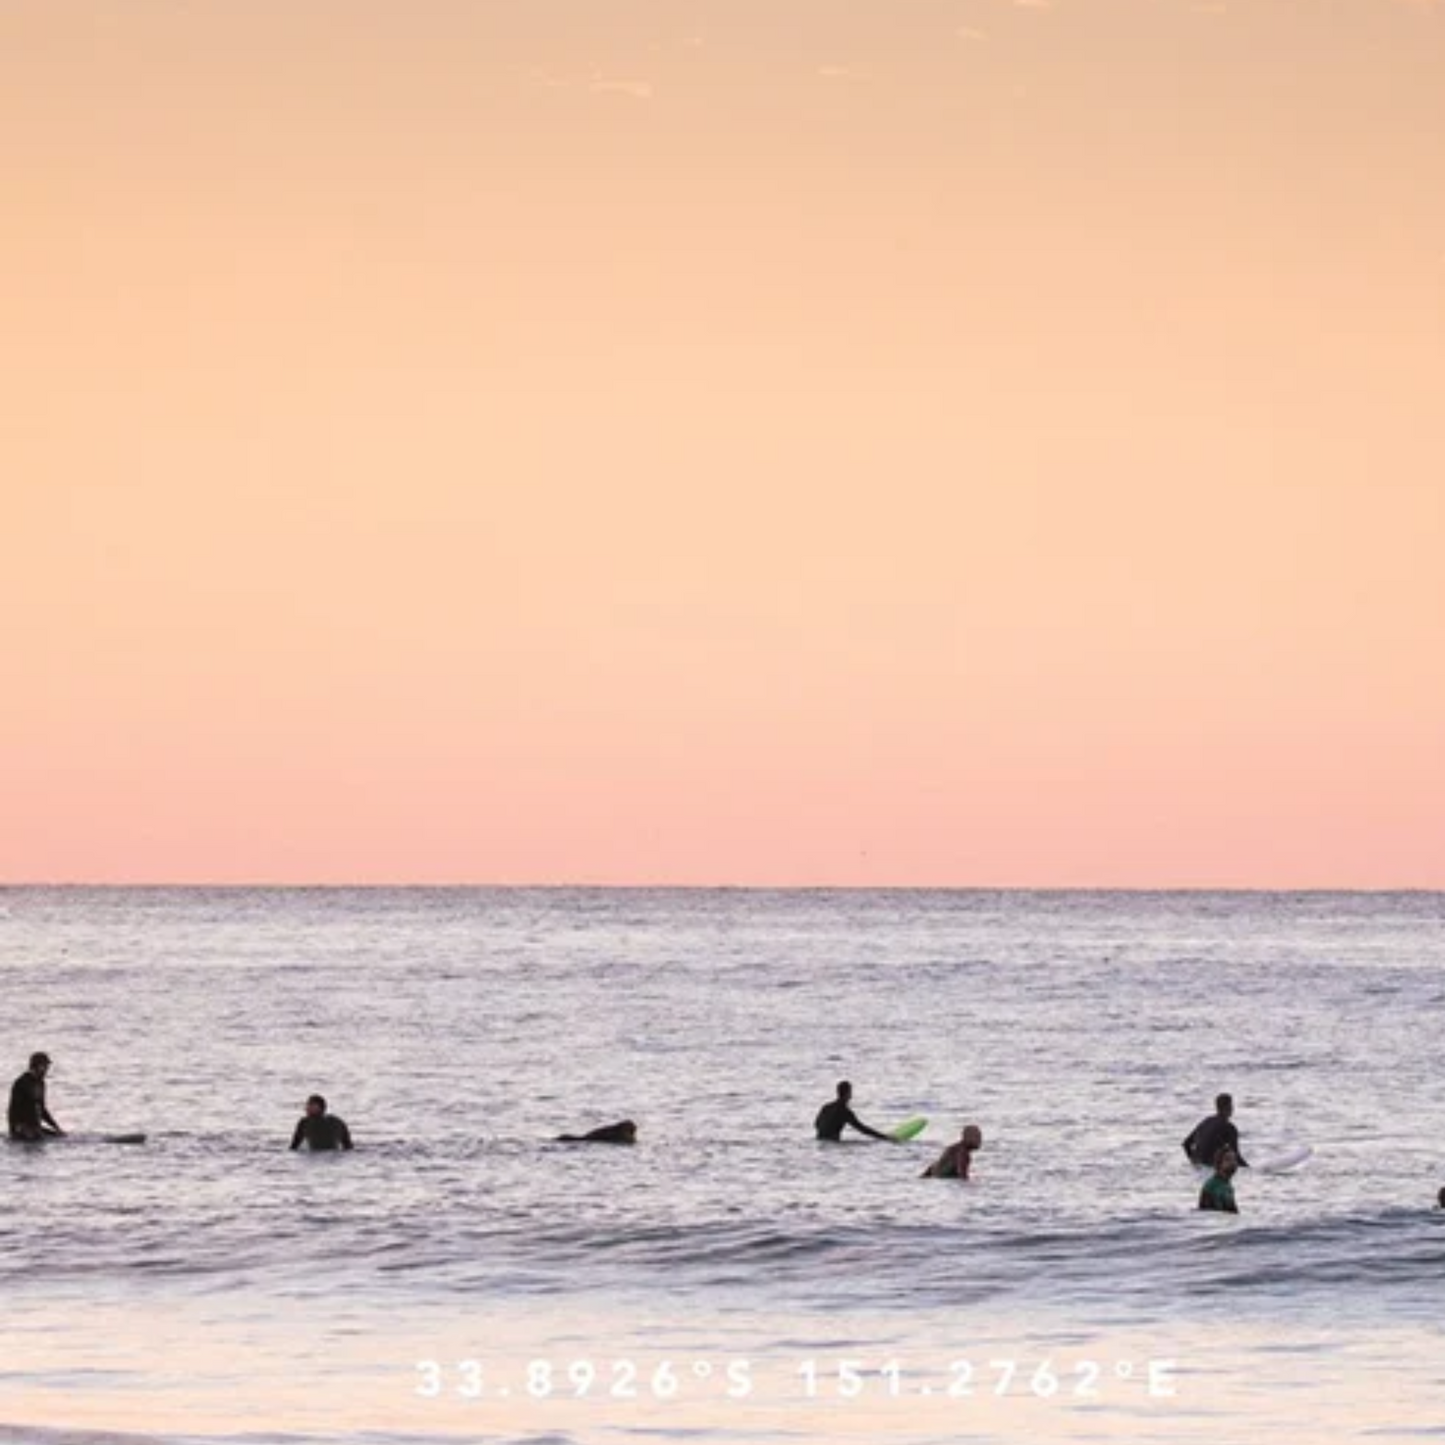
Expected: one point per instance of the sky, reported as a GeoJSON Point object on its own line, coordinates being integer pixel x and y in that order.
{"type": "Point", "coordinates": [779, 442]}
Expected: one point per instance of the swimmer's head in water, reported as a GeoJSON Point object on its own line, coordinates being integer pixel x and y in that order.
{"type": "Point", "coordinates": [39, 1063]}
{"type": "Point", "coordinates": [972, 1136]}
{"type": "Point", "coordinates": [1226, 1164]}
{"type": "Point", "coordinates": [316, 1106]}
{"type": "Point", "coordinates": [845, 1091]}
{"type": "Point", "coordinates": [1224, 1105]}
{"type": "Point", "coordinates": [627, 1132]}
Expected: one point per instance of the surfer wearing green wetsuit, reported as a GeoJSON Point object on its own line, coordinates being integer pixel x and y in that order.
{"type": "Point", "coordinates": [319, 1130]}
{"type": "Point", "coordinates": [838, 1115]}
{"type": "Point", "coordinates": [1218, 1191]}
{"type": "Point", "coordinates": [30, 1119]}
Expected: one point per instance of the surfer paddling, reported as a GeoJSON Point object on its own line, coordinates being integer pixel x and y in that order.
{"type": "Point", "coordinates": [624, 1132]}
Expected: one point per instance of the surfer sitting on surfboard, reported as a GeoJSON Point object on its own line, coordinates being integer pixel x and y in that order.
{"type": "Point", "coordinates": [1218, 1191]}
{"type": "Point", "coordinates": [29, 1118]}
{"type": "Point", "coordinates": [954, 1161]}
{"type": "Point", "coordinates": [1215, 1133]}
{"type": "Point", "coordinates": [623, 1133]}
{"type": "Point", "coordinates": [319, 1130]}
{"type": "Point", "coordinates": [834, 1117]}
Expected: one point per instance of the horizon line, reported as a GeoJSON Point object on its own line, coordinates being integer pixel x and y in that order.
{"type": "Point", "coordinates": [54, 885]}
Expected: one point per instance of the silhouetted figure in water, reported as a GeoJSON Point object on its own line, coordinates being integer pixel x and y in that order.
{"type": "Point", "coordinates": [30, 1119]}
{"type": "Point", "coordinates": [954, 1161]}
{"type": "Point", "coordinates": [838, 1115]}
{"type": "Point", "coordinates": [319, 1130]}
{"type": "Point", "coordinates": [1218, 1191]}
{"type": "Point", "coordinates": [623, 1133]}
{"type": "Point", "coordinates": [1215, 1133]}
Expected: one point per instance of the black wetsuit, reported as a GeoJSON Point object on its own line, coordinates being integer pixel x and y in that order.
{"type": "Point", "coordinates": [607, 1134]}
{"type": "Point", "coordinates": [28, 1114]}
{"type": "Point", "coordinates": [325, 1131]}
{"type": "Point", "coordinates": [1210, 1137]}
{"type": "Point", "coordinates": [835, 1117]}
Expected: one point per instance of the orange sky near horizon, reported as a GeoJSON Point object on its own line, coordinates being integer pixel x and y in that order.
{"type": "Point", "coordinates": [920, 442]}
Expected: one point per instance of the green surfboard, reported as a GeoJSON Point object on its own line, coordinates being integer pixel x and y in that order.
{"type": "Point", "coordinates": [908, 1129]}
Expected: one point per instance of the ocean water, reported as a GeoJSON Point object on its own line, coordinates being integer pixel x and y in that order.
{"type": "Point", "coordinates": [460, 1278]}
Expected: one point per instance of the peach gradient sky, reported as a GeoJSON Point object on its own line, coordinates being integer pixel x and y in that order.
{"type": "Point", "coordinates": [772, 441]}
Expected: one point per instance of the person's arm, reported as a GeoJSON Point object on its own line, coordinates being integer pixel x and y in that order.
{"type": "Point", "coordinates": [1234, 1144]}
{"type": "Point", "coordinates": [345, 1134]}
{"type": "Point", "coordinates": [48, 1124]}
{"type": "Point", "coordinates": [1190, 1141]}
{"type": "Point", "coordinates": [299, 1135]}
{"type": "Point", "coordinates": [862, 1128]}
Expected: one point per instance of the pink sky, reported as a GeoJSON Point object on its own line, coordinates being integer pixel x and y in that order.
{"type": "Point", "coordinates": [666, 441]}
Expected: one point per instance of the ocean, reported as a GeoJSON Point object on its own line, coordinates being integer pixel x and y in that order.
{"type": "Point", "coordinates": [729, 1279]}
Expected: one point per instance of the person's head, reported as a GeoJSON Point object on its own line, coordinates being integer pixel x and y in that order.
{"type": "Point", "coordinates": [1224, 1105]}
{"type": "Point", "coordinates": [972, 1137]}
{"type": "Point", "coordinates": [845, 1091]}
{"type": "Point", "coordinates": [40, 1064]}
{"type": "Point", "coordinates": [1440, 1199]}
{"type": "Point", "coordinates": [1226, 1164]}
{"type": "Point", "coordinates": [315, 1106]}
{"type": "Point", "coordinates": [627, 1132]}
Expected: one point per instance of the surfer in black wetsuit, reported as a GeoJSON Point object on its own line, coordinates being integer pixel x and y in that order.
{"type": "Point", "coordinates": [838, 1115]}
{"type": "Point", "coordinates": [319, 1130]}
{"type": "Point", "coordinates": [623, 1133]}
{"type": "Point", "coordinates": [29, 1117]}
{"type": "Point", "coordinates": [1214, 1134]}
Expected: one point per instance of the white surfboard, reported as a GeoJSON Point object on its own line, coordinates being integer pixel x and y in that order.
{"type": "Point", "coordinates": [1285, 1160]}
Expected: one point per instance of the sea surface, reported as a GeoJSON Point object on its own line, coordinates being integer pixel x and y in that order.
{"type": "Point", "coordinates": [461, 1278]}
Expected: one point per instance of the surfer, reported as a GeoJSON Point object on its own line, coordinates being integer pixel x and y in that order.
{"type": "Point", "coordinates": [1215, 1133]}
{"type": "Point", "coordinates": [834, 1117]}
{"type": "Point", "coordinates": [319, 1130]}
{"type": "Point", "coordinates": [1218, 1191]}
{"type": "Point", "coordinates": [29, 1117]}
{"type": "Point", "coordinates": [954, 1161]}
{"type": "Point", "coordinates": [622, 1133]}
